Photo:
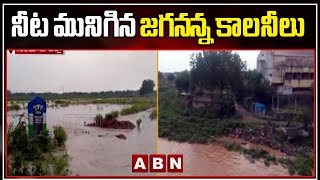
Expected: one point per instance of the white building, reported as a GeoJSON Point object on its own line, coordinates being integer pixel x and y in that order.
{"type": "Point", "coordinates": [289, 71]}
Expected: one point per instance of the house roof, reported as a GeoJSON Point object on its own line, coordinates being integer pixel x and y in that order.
{"type": "Point", "coordinates": [203, 99]}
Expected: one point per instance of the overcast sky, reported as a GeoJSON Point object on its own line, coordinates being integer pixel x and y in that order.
{"type": "Point", "coordinates": [172, 61]}
{"type": "Point", "coordinates": [84, 71]}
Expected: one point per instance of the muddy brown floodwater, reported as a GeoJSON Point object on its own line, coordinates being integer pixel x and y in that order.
{"type": "Point", "coordinates": [96, 151]}
{"type": "Point", "coordinates": [215, 160]}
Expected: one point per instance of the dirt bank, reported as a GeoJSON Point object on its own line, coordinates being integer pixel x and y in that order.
{"type": "Point", "coordinates": [266, 135]}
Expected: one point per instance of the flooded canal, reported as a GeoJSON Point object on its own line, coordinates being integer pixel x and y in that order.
{"type": "Point", "coordinates": [96, 151]}
{"type": "Point", "coordinates": [215, 160]}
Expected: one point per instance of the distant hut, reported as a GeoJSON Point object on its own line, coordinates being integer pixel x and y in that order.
{"type": "Point", "coordinates": [201, 101]}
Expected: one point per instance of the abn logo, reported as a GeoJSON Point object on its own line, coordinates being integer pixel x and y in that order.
{"type": "Point", "coordinates": [157, 163]}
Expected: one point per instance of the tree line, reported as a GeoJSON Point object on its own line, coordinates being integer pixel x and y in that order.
{"type": "Point", "coordinates": [223, 70]}
{"type": "Point", "coordinates": [147, 88]}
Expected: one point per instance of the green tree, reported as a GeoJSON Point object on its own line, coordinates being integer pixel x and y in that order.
{"type": "Point", "coordinates": [182, 81]}
{"type": "Point", "coordinates": [160, 75]}
{"type": "Point", "coordinates": [60, 135]}
{"type": "Point", "coordinates": [147, 87]}
{"type": "Point", "coordinates": [217, 70]}
{"type": "Point", "coordinates": [257, 87]}
{"type": "Point", "coordinates": [170, 77]}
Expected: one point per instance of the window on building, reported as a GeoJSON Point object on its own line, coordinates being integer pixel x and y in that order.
{"type": "Point", "coordinates": [288, 76]}
{"type": "Point", "coordinates": [296, 75]}
{"type": "Point", "coordinates": [305, 76]}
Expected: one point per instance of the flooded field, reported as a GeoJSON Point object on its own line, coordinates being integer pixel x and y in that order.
{"type": "Point", "coordinates": [215, 160]}
{"type": "Point", "coordinates": [94, 150]}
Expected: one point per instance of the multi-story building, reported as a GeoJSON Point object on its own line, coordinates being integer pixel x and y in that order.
{"type": "Point", "coordinates": [291, 72]}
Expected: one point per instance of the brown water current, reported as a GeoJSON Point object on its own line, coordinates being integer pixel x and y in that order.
{"type": "Point", "coordinates": [215, 160]}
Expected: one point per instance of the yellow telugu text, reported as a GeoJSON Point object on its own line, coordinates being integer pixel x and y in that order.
{"type": "Point", "coordinates": [154, 27]}
{"type": "Point", "coordinates": [197, 26]}
{"type": "Point", "coordinates": [268, 26]}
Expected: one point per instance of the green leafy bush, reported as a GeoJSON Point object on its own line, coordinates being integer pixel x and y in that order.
{"type": "Point", "coordinates": [112, 115]}
{"type": "Point", "coordinates": [14, 107]}
{"type": "Point", "coordinates": [60, 165]}
{"type": "Point", "coordinates": [31, 157]}
{"type": "Point", "coordinates": [44, 142]}
{"type": "Point", "coordinates": [60, 135]}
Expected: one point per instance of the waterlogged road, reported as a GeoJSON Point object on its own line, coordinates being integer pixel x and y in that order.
{"type": "Point", "coordinates": [215, 160]}
{"type": "Point", "coordinates": [96, 151]}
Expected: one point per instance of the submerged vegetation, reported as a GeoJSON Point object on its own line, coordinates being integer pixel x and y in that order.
{"type": "Point", "coordinates": [252, 154]}
{"type": "Point", "coordinates": [112, 115]}
{"type": "Point", "coordinates": [138, 106]}
{"type": "Point", "coordinates": [301, 164]}
{"type": "Point", "coordinates": [34, 156]}
{"type": "Point", "coordinates": [13, 107]}
{"type": "Point", "coordinates": [60, 136]}
{"type": "Point", "coordinates": [140, 100]}
{"type": "Point", "coordinates": [153, 114]}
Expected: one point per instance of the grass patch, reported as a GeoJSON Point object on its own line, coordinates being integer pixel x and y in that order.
{"type": "Point", "coordinates": [13, 107]}
{"type": "Point", "coordinates": [138, 106]}
{"type": "Point", "coordinates": [62, 102]}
